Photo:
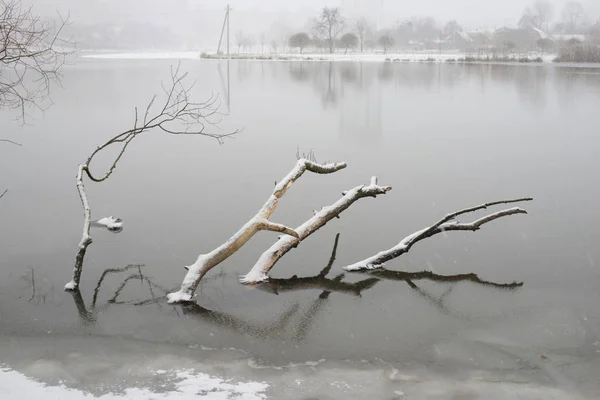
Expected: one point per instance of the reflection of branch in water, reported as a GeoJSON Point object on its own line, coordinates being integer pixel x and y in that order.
{"type": "Point", "coordinates": [410, 277]}
{"type": "Point", "coordinates": [240, 325]}
{"type": "Point", "coordinates": [37, 296]}
{"type": "Point", "coordinates": [319, 281]}
{"type": "Point", "coordinates": [112, 271]}
{"type": "Point", "coordinates": [428, 275]}
{"type": "Point", "coordinates": [87, 317]}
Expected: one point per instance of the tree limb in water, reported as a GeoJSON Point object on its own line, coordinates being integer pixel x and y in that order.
{"type": "Point", "coordinates": [448, 223]}
{"type": "Point", "coordinates": [259, 222]}
{"type": "Point", "coordinates": [177, 115]}
{"type": "Point", "coordinates": [269, 258]}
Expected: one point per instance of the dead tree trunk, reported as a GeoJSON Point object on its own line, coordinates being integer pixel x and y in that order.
{"type": "Point", "coordinates": [259, 222]}
{"type": "Point", "coordinates": [448, 223]}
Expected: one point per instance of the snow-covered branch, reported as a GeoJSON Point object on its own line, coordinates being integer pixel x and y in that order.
{"type": "Point", "coordinates": [259, 222]}
{"type": "Point", "coordinates": [270, 257]}
{"type": "Point", "coordinates": [448, 223]}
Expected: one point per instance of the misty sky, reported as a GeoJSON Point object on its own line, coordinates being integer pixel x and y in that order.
{"type": "Point", "coordinates": [472, 14]}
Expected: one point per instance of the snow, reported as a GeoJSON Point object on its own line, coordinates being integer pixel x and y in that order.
{"type": "Point", "coordinates": [71, 285]}
{"type": "Point", "coordinates": [111, 223]}
{"type": "Point", "coordinates": [188, 385]}
{"type": "Point", "coordinates": [146, 55]}
{"type": "Point", "coordinates": [178, 297]}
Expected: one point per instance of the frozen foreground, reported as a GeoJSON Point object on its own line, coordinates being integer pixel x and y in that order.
{"type": "Point", "coordinates": [293, 383]}
{"type": "Point", "coordinates": [96, 367]}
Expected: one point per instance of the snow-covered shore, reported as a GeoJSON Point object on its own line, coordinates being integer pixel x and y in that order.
{"type": "Point", "coordinates": [432, 56]}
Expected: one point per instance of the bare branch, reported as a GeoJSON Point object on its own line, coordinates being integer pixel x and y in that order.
{"type": "Point", "coordinates": [442, 225]}
{"type": "Point", "coordinates": [178, 116]}
{"type": "Point", "coordinates": [260, 221]}
{"type": "Point", "coordinates": [2, 195]}
{"type": "Point", "coordinates": [269, 258]}
{"type": "Point", "coordinates": [11, 142]}
{"type": "Point", "coordinates": [32, 54]}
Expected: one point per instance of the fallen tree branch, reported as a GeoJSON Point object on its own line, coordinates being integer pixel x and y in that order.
{"type": "Point", "coordinates": [448, 223]}
{"type": "Point", "coordinates": [270, 257]}
{"type": "Point", "coordinates": [178, 115]}
{"type": "Point", "coordinates": [259, 222]}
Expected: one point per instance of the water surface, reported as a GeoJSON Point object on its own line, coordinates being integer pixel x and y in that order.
{"type": "Point", "coordinates": [443, 136]}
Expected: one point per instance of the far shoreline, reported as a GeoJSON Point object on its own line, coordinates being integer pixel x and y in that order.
{"type": "Point", "coordinates": [418, 57]}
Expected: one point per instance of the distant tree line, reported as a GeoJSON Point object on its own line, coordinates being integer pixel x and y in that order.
{"type": "Point", "coordinates": [536, 29]}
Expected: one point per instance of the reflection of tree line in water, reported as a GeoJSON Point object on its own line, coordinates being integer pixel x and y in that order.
{"type": "Point", "coordinates": [292, 320]}
{"type": "Point", "coordinates": [331, 79]}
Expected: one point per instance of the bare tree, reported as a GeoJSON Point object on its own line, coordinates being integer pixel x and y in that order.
{"type": "Point", "coordinates": [362, 28]}
{"type": "Point", "coordinates": [544, 11]}
{"type": "Point", "coordinates": [573, 15]}
{"type": "Point", "coordinates": [240, 40]}
{"type": "Point", "coordinates": [32, 54]}
{"type": "Point", "coordinates": [177, 115]}
{"type": "Point", "coordinates": [263, 41]}
{"type": "Point", "coordinates": [329, 25]}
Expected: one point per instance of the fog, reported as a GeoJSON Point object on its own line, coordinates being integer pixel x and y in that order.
{"type": "Point", "coordinates": [197, 23]}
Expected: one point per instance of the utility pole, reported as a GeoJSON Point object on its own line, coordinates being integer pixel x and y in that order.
{"type": "Point", "coordinates": [228, 10]}
{"type": "Point", "coordinates": [225, 23]}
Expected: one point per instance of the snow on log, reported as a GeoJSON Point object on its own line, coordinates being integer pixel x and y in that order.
{"type": "Point", "coordinates": [269, 258]}
{"type": "Point", "coordinates": [259, 222]}
{"type": "Point", "coordinates": [448, 223]}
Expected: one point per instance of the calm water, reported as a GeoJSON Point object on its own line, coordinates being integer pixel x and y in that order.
{"type": "Point", "coordinates": [443, 136]}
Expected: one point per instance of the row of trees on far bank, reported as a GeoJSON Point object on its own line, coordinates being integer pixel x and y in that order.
{"type": "Point", "coordinates": [538, 28]}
